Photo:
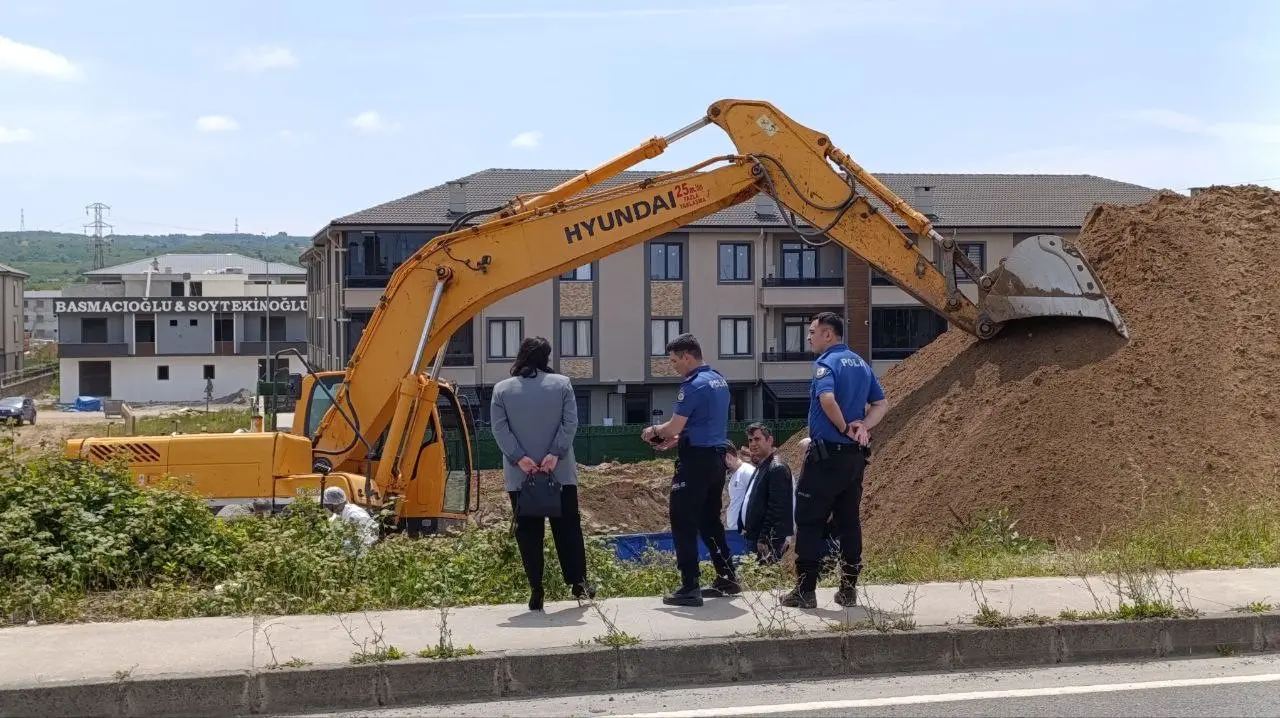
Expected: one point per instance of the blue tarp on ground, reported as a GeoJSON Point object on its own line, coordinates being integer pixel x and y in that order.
{"type": "Point", "coordinates": [631, 547]}
{"type": "Point", "coordinates": [88, 403]}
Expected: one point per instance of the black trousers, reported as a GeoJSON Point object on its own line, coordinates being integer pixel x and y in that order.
{"type": "Point", "coordinates": [566, 532]}
{"type": "Point", "coordinates": [830, 488]}
{"type": "Point", "coordinates": [694, 506]}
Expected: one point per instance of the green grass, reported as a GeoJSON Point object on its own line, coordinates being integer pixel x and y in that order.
{"type": "Point", "coordinates": [82, 542]}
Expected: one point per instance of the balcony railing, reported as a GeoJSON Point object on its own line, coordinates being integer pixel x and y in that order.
{"type": "Point", "coordinates": [788, 356]}
{"type": "Point", "coordinates": [144, 349]}
{"type": "Point", "coordinates": [84, 350]}
{"type": "Point", "coordinates": [260, 348]}
{"type": "Point", "coordinates": [803, 281]}
{"type": "Point", "coordinates": [459, 359]}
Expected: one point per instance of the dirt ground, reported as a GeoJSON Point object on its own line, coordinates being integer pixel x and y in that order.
{"type": "Point", "coordinates": [1076, 430]}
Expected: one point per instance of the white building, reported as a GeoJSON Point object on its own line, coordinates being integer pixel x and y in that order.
{"type": "Point", "coordinates": [162, 329]}
{"type": "Point", "coordinates": [40, 322]}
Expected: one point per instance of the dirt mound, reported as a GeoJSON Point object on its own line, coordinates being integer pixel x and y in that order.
{"type": "Point", "coordinates": [1070, 426]}
{"type": "Point", "coordinates": [613, 498]}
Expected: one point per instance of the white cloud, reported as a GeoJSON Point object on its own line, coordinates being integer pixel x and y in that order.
{"type": "Point", "coordinates": [15, 134]}
{"type": "Point", "coordinates": [217, 123]}
{"type": "Point", "coordinates": [262, 58]}
{"type": "Point", "coordinates": [371, 121]}
{"type": "Point", "coordinates": [28, 59]}
{"type": "Point", "coordinates": [527, 140]}
{"type": "Point", "coordinates": [1248, 132]}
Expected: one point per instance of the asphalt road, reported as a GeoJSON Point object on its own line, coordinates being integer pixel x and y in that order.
{"type": "Point", "coordinates": [1239, 686]}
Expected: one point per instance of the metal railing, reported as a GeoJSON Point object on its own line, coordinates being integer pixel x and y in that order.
{"type": "Point", "coordinates": [37, 371]}
{"type": "Point", "coordinates": [803, 281]}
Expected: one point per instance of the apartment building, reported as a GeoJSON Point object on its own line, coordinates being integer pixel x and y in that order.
{"type": "Point", "coordinates": [741, 280]}
{"type": "Point", "coordinates": [12, 338]}
{"type": "Point", "coordinates": [166, 328]}
{"type": "Point", "coordinates": [40, 323]}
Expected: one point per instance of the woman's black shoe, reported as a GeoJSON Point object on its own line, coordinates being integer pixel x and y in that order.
{"type": "Point", "coordinates": [535, 599]}
{"type": "Point", "coordinates": [584, 591]}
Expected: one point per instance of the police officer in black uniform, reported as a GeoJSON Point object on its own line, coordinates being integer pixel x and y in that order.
{"type": "Point", "coordinates": [843, 388]}
{"type": "Point", "coordinates": [700, 425]}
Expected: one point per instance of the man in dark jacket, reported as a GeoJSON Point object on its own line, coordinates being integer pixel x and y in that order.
{"type": "Point", "coordinates": [767, 519]}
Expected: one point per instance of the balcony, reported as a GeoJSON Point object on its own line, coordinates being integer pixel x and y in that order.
{"type": "Point", "coordinates": [788, 356]}
{"type": "Point", "coordinates": [144, 349]}
{"type": "Point", "coordinates": [802, 291]}
{"type": "Point", "coordinates": [459, 359]}
{"type": "Point", "coordinates": [260, 348]}
{"type": "Point", "coordinates": [87, 350]}
{"type": "Point", "coordinates": [803, 281]}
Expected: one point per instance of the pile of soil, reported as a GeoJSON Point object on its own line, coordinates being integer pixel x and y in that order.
{"type": "Point", "coordinates": [614, 498]}
{"type": "Point", "coordinates": [1073, 428]}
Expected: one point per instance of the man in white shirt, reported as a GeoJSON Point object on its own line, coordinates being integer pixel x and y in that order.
{"type": "Point", "coordinates": [335, 500]}
{"type": "Point", "coordinates": [739, 477]}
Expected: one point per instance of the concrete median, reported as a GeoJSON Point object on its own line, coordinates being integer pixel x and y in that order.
{"type": "Point", "coordinates": [658, 664]}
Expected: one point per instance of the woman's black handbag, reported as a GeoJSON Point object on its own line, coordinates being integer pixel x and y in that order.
{"type": "Point", "coordinates": [539, 496]}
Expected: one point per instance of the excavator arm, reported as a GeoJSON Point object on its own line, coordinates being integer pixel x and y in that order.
{"type": "Point", "coordinates": [534, 238]}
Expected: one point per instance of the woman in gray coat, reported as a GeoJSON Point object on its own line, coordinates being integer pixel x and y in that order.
{"type": "Point", "coordinates": [535, 417]}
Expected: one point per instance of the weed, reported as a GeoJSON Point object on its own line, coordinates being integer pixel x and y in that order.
{"type": "Point", "coordinates": [1253, 607]}
{"type": "Point", "coordinates": [295, 662]}
{"type": "Point", "coordinates": [381, 651]}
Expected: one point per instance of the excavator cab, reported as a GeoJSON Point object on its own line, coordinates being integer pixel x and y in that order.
{"type": "Point", "coordinates": [441, 484]}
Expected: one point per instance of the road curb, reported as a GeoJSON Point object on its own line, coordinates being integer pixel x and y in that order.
{"type": "Point", "coordinates": [651, 665]}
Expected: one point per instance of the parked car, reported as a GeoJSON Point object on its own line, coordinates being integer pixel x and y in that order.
{"type": "Point", "coordinates": [18, 409]}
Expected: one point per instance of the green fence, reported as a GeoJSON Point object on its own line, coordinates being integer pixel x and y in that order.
{"type": "Point", "coordinates": [598, 444]}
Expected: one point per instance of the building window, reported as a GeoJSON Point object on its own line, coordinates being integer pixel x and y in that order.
{"type": "Point", "coordinates": [224, 328]}
{"type": "Point", "coordinates": [173, 322]}
{"type": "Point", "coordinates": [799, 261]}
{"type": "Point", "coordinates": [93, 330]}
{"type": "Point", "coordinates": [795, 330]}
{"type": "Point", "coordinates": [575, 337]}
{"type": "Point", "coordinates": [661, 332]}
{"type": "Point", "coordinates": [897, 332]}
{"type": "Point", "coordinates": [195, 322]}
{"type": "Point", "coordinates": [197, 289]}
{"type": "Point", "coordinates": [581, 274]}
{"type": "Point", "coordinates": [505, 336]}
{"type": "Point", "coordinates": [666, 261]}
{"type": "Point", "coordinates": [209, 371]}
{"type": "Point", "coordinates": [735, 262]}
{"type": "Point", "coordinates": [459, 351]}
{"type": "Point", "coordinates": [735, 336]}
{"type": "Point", "coordinates": [977, 253]}
{"type": "Point", "coordinates": [636, 407]}
{"type": "Point", "coordinates": [162, 373]}
{"type": "Point", "coordinates": [583, 400]}
{"type": "Point", "coordinates": [273, 330]}
{"type": "Point", "coordinates": [175, 289]}
{"type": "Point", "coordinates": [144, 329]}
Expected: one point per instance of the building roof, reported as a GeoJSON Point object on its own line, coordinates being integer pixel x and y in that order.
{"type": "Point", "coordinates": [42, 294]}
{"type": "Point", "coordinates": [959, 200]}
{"type": "Point", "coordinates": [6, 269]}
{"type": "Point", "coordinates": [198, 264]}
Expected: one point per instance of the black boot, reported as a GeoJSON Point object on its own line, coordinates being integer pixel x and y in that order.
{"type": "Point", "coordinates": [684, 597]}
{"type": "Point", "coordinates": [799, 599]}
{"type": "Point", "coordinates": [722, 587]}
{"type": "Point", "coordinates": [847, 595]}
{"type": "Point", "coordinates": [584, 591]}
{"type": "Point", "coordinates": [535, 599]}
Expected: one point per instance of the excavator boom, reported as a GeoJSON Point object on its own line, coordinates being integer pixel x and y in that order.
{"type": "Point", "coordinates": [534, 238]}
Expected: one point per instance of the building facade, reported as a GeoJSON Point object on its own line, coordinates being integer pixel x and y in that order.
{"type": "Point", "coordinates": [741, 280]}
{"type": "Point", "coordinates": [165, 329]}
{"type": "Point", "coordinates": [41, 323]}
{"type": "Point", "coordinates": [13, 343]}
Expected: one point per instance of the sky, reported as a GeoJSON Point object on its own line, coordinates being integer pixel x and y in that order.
{"type": "Point", "coordinates": [192, 116]}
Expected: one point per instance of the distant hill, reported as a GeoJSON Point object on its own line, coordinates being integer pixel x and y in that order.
{"type": "Point", "coordinates": [55, 259]}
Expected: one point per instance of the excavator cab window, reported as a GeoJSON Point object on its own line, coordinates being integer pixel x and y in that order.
{"type": "Point", "coordinates": [318, 403]}
{"type": "Point", "coordinates": [457, 427]}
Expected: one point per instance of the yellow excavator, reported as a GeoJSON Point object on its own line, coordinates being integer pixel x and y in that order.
{"type": "Point", "coordinates": [377, 428]}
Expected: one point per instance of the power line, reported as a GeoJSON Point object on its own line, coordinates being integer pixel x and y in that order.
{"type": "Point", "coordinates": [99, 243]}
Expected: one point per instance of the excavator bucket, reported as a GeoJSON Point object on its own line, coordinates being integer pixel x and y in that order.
{"type": "Point", "coordinates": [1045, 275]}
